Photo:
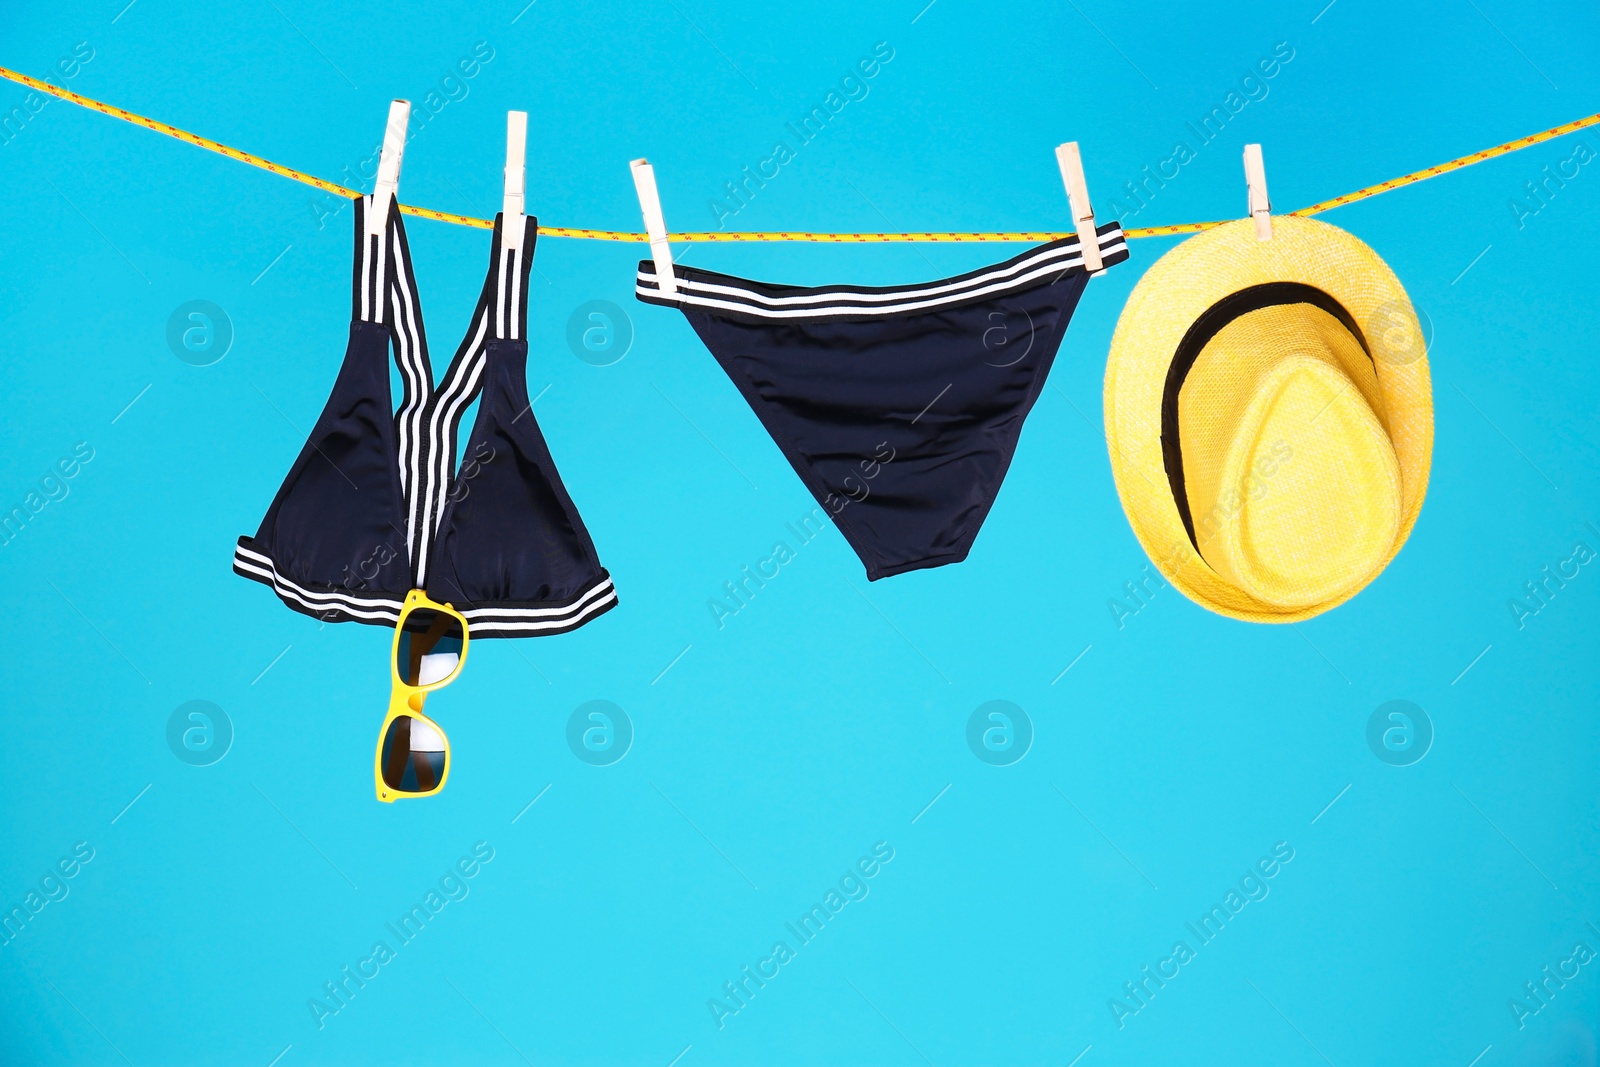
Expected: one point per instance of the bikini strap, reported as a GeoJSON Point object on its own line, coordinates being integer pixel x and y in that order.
{"type": "Point", "coordinates": [507, 285]}
{"type": "Point", "coordinates": [369, 263]}
{"type": "Point", "coordinates": [385, 293]}
{"type": "Point", "coordinates": [501, 315]}
{"type": "Point", "coordinates": [382, 264]}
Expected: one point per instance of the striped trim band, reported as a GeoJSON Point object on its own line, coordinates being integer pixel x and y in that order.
{"type": "Point", "coordinates": [720, 292]}
{"type": "Point", "coordinates": [484, 621]}
{"type": "Point", "coordinates": [327, 605]}
{"type": "Point", "coordinates": [521, 622]}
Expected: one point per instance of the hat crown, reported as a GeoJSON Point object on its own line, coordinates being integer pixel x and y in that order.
{"type": "Point", "coordinates": [1294, 491]}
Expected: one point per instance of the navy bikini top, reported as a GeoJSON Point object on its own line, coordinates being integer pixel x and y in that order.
{"type": "Point", "coordinates": [377, 505]}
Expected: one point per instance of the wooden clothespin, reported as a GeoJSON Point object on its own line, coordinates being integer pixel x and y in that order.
{"type": "Point", "coordinates": [388, 184]}
{"type": "Point", "coordinates": [655, 226]}
{"type": "Point", "coordinates": [1255, 176]}
{"type": "Point", "coordinates": [1071, 163]}
{"type": "Point", "coordinates": [512, 209]}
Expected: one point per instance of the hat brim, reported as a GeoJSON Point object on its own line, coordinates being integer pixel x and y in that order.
{"type": "Point", "coordinates": [1180, 288]}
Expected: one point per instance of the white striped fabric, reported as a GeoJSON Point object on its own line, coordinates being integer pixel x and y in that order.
{"type": "Point", "coordinates": [326, 605]}
{"type": "Point", "coordinates": [705, 289]}
{"type": "Point", "coordinates": [485, 621]}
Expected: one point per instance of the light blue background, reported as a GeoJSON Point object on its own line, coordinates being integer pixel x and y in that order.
{"type": "Point", "coordinates": [827, 714]}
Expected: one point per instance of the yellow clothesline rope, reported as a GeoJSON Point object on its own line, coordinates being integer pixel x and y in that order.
{"type": "Point", "coordinates": [1031, 236]}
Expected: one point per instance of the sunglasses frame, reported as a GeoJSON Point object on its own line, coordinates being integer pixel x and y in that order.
{"type": "Point", "coordinates": [407, 699]}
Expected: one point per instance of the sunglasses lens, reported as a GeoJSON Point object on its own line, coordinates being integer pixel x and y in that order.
{"type": "Point", "coordinates": [430, 647]}
{"type": "Point", "coordinates": [413, 756]}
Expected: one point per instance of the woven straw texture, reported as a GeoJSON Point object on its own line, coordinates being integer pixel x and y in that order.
{"type": "Point", "coordinates": [1306, 463]}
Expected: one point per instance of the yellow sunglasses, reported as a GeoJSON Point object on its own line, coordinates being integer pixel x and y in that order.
{"type": "Point", "coordinates": [430, 646]}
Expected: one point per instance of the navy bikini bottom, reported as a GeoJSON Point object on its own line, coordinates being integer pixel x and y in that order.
{"type": "Point", "coordinates": [899, 407]}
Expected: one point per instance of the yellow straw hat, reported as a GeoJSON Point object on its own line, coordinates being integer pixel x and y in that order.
{"type": "Point", "coordinates": [1269, 415]}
